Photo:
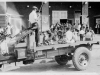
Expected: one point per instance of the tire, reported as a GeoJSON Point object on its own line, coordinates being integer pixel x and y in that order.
{"type": "Point", "coordinates": [81, 58]}
{"type": "Point", "coordinates": [61, 60]}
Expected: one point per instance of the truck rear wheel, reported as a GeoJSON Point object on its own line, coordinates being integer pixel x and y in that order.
{"type": "Point", "coordinates": [61, 59]}
{"type": "Point", "coordinates": [81, 58]}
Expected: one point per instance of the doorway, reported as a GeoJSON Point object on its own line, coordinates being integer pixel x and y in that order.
{"type": "Point", "coordinates": [63, 21]}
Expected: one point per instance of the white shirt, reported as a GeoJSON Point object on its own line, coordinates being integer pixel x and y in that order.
{"type": "Point", "coordinates": [4, 47]}
{"type": "Point", "coordinates": [69, 36]}
{"type": "Point", "coordinates": [88, 35]}
{"type": "Point", "coordinates": [75, 35]}
{"type": "Point", "coordinates": [46, 36]}
{"type": "Point", "coordinates": [82, 32]}
{"type": "Point", "coordinates": [33, 17]}
{"type": "Point", "coordinates": [17, 31]}
{"type": "Point", "coordinates": [1, 30]}
{"type": "Point", "coordinates": [79, 26]}
{"type": "Point", "coordinates": [9, 29]}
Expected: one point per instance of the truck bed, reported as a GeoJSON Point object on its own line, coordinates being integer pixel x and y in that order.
{"type": "Point", "coordinates": [49, 47]}
{"type": "Point", "coordinates": [45, 47]}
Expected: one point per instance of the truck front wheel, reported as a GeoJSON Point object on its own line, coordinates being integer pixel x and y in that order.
{"type": "Point", "coordinates": [61, 59]}
{"type": "Point", "coordinates": [81, 58]}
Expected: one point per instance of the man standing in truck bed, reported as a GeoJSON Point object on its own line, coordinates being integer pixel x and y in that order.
{"type": "Point", "coordinates": [33, 18]}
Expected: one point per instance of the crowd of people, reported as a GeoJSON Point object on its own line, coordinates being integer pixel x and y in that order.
{"type": "Point", "coordinates": [66, 33]}
{"type": "Point", "coordinates": [60, 32]}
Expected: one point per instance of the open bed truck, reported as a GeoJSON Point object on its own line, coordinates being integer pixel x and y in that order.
{"type": "Point", "coordinates": [78, 52]}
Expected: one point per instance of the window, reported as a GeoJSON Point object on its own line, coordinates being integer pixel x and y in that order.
{"type": "Point", "coordinates": [57, 15]}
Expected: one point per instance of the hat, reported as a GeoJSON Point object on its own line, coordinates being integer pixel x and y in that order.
{"type": "Point", "coordinates": [34, 7]}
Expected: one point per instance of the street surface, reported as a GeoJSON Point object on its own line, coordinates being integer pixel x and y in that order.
{"type": "Point", "coordinates": [47, 66]}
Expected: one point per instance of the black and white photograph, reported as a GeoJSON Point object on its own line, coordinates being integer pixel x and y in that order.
{"type": "Point", "coordinates": [58, 37]}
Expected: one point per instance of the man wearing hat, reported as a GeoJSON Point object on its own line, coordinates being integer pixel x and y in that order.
{"type": "Point", "coordinates": [33, 18]}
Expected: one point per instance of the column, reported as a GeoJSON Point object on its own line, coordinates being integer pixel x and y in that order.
{"type": "Point", "coordinates": [45, 17]}
{"type": "Point", "coordinates": [85, 19]}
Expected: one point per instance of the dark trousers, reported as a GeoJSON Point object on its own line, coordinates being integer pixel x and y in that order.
{"type": "Point", "coordinates": [98, 30]}
{"type": "Point", "coordinates": [81, 37]}
{"type": "Point", "coordinates": [36, 32]}
{"type": "Point", "coordinates": [37, 36]}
